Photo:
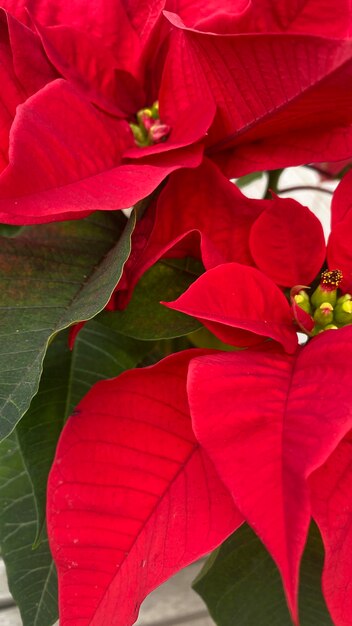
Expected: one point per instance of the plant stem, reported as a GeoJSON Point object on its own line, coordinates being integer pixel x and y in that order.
{"type": "Point", "coordinates": [273, 179]}
{"type": "Point", "coordinates": [305, 188]}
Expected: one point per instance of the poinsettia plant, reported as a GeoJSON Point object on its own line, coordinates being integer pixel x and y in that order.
{"type": "Point", "coordinates": [175, 378]}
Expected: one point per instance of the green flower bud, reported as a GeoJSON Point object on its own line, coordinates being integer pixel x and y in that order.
{"type": "Point", "coordinates": [155, 110]}
{"type": "Point", "coordinates": [302, 300]}
{"type": "Point", "coordinates": [343, 311]}
{"type": "Point", "coordinates": [139, 134]}
{"type": "Point", "coordinates": [143, 115]}
{"type": "Point", "coordinates": [346, 296]}
{"type": "Point", "coordinates": [324, 314]}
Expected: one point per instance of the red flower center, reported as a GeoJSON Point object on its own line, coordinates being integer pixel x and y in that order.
{"type": "Point", "coordinates": [148, 129]}
{"type": "Point", "coordinates": [326, 307]}
{"type": "Point", "coordinates": [331, 279]}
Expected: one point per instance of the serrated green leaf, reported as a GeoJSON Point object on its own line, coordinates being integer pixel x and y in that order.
{"type": "Point", "coordinates": [145, 318]}
{"type": "Point", "coordinates": [99, 353]}
{"type": "Point", "coordinates": [242, 587]}
{"type": "Point", "coordinates": [31, 573]}
{"type": "Point", "coordinates": [51, 276]}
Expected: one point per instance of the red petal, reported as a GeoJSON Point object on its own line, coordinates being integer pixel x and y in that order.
{"type": "Point", "coordinates": [331, 488]}
{"type": "Point", "coordinates": [85, 61]}
{"type": "Point", "coordinates": [233, 296]}
{"type": "Point", "coordinates": [284, 148]}
{"type": "Point", "coordinates": [31, 66]}
{"type": "Point", "coordinates": [63, 159]}
{"type": "Point", "coordinates": [267, 420]}
{"type": "Point", "coordinates": [273, 93]}
{"type": "Point", "coordinates": [103, 19]}
{"type": "Point", "coordinates": [287, 243]}
{"type": "Point", "coordinates": [342, 200]}
{"type": "Point", "coordinates": [318, 17]}
{"type": "Point", "coordinates": [23, 70]}
{"type": "Point", "coordinates": [197, 209]}
{"type": "Point", "coordinates": [339, 252]}
{"type": "Point", "coordinates": [131, 498]}
{"type": "Point", "coordinates": [210, 15]}
{"type": "Point", "coordinates": [144, 15]}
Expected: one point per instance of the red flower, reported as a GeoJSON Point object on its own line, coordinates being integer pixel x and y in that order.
{"type": "Point", "coordinates": [71, 148]}
{"type": "Point", "coordinates": [218, 224]}
{"type": "Point", "coordinates": [66, 141]}
{"type": "Point", "coordinates": [301, 400]}
{"type": "Point", "coordinates": [274, 419]}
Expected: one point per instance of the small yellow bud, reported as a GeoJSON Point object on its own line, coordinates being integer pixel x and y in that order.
{"type": "Point", "coordinates": [343, 310]}
{"type": "Point", "coordinates": [347, 306]}
{"type": "Point", "coordinates": [144, 114]}
{"type": "Point", "coordinates": [155, 110]}
{"type": "Point", "coordinates": [302, 300]}
{"type": "Point", "coordinates": [139, 135]}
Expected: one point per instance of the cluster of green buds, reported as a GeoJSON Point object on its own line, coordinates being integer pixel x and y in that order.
{"type": "Point", "coordinates": [328, 309]}
{"type": "Point", "coordinates": [148, 129]}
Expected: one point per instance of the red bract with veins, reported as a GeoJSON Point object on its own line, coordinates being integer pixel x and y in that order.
{"type": "Point", "coordinates": [285, 242]}
{"type": "Point", "coordinates": [201, 214]}
{"type": "Point", "coordinates": [264, 120]}
{"type": "Point", "coordinates": [67, 144]}
{"type": "Point", "coordinates": [132, 497]}
{"type": "Point", "coordinates": [268, 420]}
{"type": "Point", "coordinates": [265, 416]}
{"type": "Point", "coordinates": [72, 141]}
{"type": "Point", "coordinates": [230, 297]}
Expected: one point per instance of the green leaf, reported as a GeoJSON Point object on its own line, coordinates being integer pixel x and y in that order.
{"type": "Point", "coordinates": [99, 352]}
{"type": "Point", "coordinates": [26, 457]}
{"type": "Point", "coordinates": [6, 230]}
{"type": "Point", "coordinates": [248, 179]}
{"type": "Point", "coordinates": [242, 587]}
{"type": "Point", "coordinates": [31, 573]}
{"type": "Point", "coordinates": [51, 276]}
{"type": "Point", "coordinates": [203, 338]}
{"type": "Point", "coordinates": [145, 318]}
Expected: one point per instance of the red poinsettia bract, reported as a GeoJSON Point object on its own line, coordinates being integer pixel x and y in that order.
{"type": "Point", "coordinates": [269, 76]}
{"type": "Point", "coordinates": [132, 496]}
{"type": "Point", "coordinates": [71, 102]}
{"type": "Point", "coordinates": [273, 418]}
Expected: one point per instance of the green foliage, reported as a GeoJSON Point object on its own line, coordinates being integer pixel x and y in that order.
{"type": "Point", "coordinates": [242, 587]}
{"type": "Point", "coordinates": [248, 179]}
{"type": "Point", "coordinates": [27, 454]}
{"type": "Point", "coordinates": [51, 276]}
{"type": "Point", "coordinates": [31, 573]}
{"type": "Point", "coordinates": [145, 318]}
{"type": "Point", "coordinates": [6, 230]}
